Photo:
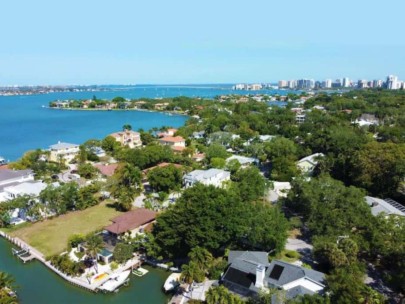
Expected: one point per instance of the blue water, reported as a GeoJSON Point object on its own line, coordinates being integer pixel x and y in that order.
{"type": "Point", "coordinates": [26, 125]}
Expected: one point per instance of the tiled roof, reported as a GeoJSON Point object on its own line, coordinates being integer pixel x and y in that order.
{"type": "Point", "coordinates": [131, 220]}
{"type": "Point", "coordinates": [107, 170]}
{"type": "Point", "coordinates": [172, 139]}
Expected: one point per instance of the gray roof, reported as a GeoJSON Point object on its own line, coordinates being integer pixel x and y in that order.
{"type": "Point", "coordinates": [247, 261]}
{"type": "Point", "coordinates": [201, 175]}
{"type": "Point", "coordinates": [7, 174]}
{"type": "Point", "coordinates": [241, 274]}
{"type": "Point", "coordinates": [292, 273]}
{"type": "Point", "coordinates": [62, 146]}
{"type": "Point", "coordinates": [243, 160]}
{"type": "Point", "coordinates": [386, 206]}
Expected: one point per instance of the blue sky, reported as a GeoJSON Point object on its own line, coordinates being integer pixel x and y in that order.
{"type": "Point", "coordinates": [123, 41]}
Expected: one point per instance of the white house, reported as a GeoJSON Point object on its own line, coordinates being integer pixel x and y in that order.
{"type": "Point", "coordinates": [280, 189]}
{"type": "Point", "coordinates": [10, 178]}
{"type": "Point", "coordinates": [243, 160]}
{"type": "Point", "coordinates": [308, 164]}
{"type": "Point", "coordinates": [386, 206]}
{"type": "Point", "coordinates": [65, 151]}
{"type": "Point", "coordinates": [32, 188]}
{"type": "Point", "coordinates": [215, 177]}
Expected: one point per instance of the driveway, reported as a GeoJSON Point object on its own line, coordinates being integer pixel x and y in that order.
{"type": "Point", "coordinates": [303, 247]}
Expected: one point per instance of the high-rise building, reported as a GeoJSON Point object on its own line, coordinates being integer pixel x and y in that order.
{"type": "Point", "coordinates": [328, 83]}
{"type": "Point", "coordinates": [305, 84]}
{"type": "Point", "coordinates": [361, 84]}
{"type": "Point", "coordinates": [377, 83]}
{"type": "Point", "coordinates": [392, 82]}
{"type": "Point", "coordinates": [346, 82]}
{"type": "Point", "coordinates": [292, 84]}
{"type": "Point", "coordinates": [283, 84]}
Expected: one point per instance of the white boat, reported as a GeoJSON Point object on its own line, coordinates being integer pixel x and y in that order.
{"type": "Point", "coordinates": [172, 281]}
{"type": "Point", "coordinates": [115, 281]}
{"type": "Point", "coordinates": [140, 272]}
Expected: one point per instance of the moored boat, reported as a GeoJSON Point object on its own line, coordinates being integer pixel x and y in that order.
{"type": "Point", "coordinates": [172, 282]}
{"type": "Point", "coordinates": [115, 281]}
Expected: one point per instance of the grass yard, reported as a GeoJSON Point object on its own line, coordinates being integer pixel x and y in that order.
{"type": "Point", "coordinates": [51, 236]}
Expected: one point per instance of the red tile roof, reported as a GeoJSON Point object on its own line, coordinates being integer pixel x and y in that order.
{"type": "Point", "coordinates": [172, 139]}
{"type": "Point", "coordinates": [131, 220]}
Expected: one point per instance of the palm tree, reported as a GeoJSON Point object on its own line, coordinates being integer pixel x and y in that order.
{"type": "Point", "coordinates": [94, 244]}
{"type": "Point", "coordinates": [201, 256]}
{"type": "Point", "coordinates": [217, 295]}
{"type": "Point", "coordinates": [6, 280]}
{"type": "Point", "coordinates": [126, 127]}
{"type": "Point", "coordinates": [192, 272]}
{"type": "Point", "coordinates": [187, 274]}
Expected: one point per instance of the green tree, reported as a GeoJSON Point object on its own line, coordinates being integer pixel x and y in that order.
{"type": "Point", "coordinates": [165, 179]}
{"type": "Point", "coordinates": [216, 151]}
{"type": "Point", "coordinates": [86, 170]}
{"type": "Point", "coordinates": [379, 167]}
{"type": "Point", "coordinates": [191, 272]}
{"type": "Point", "coordinates": [221, 295]}
{"type": "Point", "coordinates": [202, 257]}
{"type": "Point", "coordinates": [126, 127]}
{"type": "Point", "coordinates": [217, 162]}
{"type": "Point", "coordinates": [196, 218]}
{"type": "Point", "coordinates": [249, 184]}
{"type": "Point", "coordinates": [122, 252]}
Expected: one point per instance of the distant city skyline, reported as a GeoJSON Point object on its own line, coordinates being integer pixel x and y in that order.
{"type": "Point", "coordinates": [183, 42]}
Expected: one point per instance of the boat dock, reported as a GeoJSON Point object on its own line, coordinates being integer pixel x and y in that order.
{"type": "Point", "coordinates": [23, 254]}
{"type": "Point", "coordinates": [76, 281]}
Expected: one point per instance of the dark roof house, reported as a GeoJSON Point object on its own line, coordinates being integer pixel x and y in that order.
{"type": "Point", "coordinates": [250, 272]}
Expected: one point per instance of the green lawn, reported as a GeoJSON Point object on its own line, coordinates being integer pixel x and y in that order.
{"type": "Point", "coordinates": [51, 236]}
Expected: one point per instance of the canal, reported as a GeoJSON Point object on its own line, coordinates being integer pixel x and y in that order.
{"type": "Point", "coordinates": [36, 284]}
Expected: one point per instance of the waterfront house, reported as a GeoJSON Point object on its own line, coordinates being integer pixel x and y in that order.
{"type": "Point", "coordinates": [133, 222]}
{"type": "Point", "coordinates": [307, 164]}
{"type": "Point", "coordinates": [128, 138]}
{"type": "Point", "coordinates": [250, 273]}
{"type": "Point", "coordinates": [31, 188]}
{"type": "Point", "coordinates": [215, 177]}
{"type": "Point", "coordinates": [176, 143]}
{"type": "Point", "coordinates": [169, 132]}
{"type": "Point", "coordinates": [9, 178]}
{"type": "Point", "coordinates": [62, 151]}
{"type": "Point", "coordinates": [161, 106]}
